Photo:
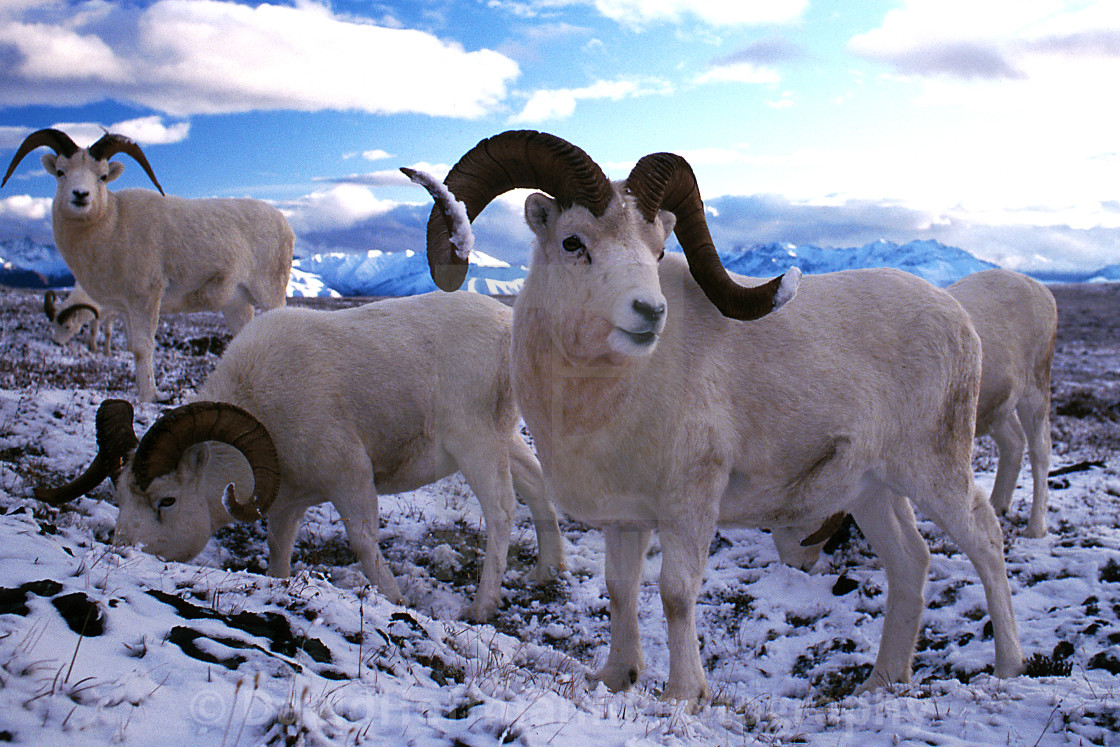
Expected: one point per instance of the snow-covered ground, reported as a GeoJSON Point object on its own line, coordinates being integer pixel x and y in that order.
{"type": "Point", "coordinates": [101, 644]}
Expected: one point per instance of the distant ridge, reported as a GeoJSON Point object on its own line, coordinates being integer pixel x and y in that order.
{"type": "Point", "coordinates": [26, 264]}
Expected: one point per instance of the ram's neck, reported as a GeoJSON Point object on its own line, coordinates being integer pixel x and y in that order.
{"type": "Point", "coordinates": [566, 399]}
{"type": "Point", "coordinates": [81, 241]}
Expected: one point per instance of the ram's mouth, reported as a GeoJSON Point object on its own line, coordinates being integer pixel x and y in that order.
{"type": "Point", "coordinates": [630, 343]}
{"type": "Point", "coordinates": [640, 339]}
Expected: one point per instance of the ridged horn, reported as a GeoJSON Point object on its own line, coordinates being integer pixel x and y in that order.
{"type": "Point", "coordinates": [56, 140]}
{"type": "Point", "coordinates": [69, 311]}
{"type": "Point", "coordinates": [665, 181]}
{"type": "Point", "coordinates": [115, 442]}
{"type": "Point", "coordinates": [111, 144]}
{"type": "Point", "coordinates": [50, 304]}
{"type": "Point", "coordinates": [163, 446]}
{"type": "Point", "coordinates": [511, 160]}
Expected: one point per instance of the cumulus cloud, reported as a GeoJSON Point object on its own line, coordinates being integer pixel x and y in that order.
{"type": "Point", "coordinates": [144, 130]}
{"type": "Point", "coordinates": [187, 57]}
{"type": "Point", "coordinates": [23, 215]}
{"type": "Point", "coordinates": [339, 207]}
{"type": "Point", "coordinates": [560, 103]}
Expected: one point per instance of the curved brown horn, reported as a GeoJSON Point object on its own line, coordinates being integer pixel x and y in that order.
{"type": "Point", "coordinates": [511, 160]}
{"type": "Point", "coordinates": [115, 442]}
{"type": "Point", "coordinates": [111, 144]}
{"type": "Point", "coordinates": [163, 446]}
{"type": "Point", "coordinates": [665, 181]}
{"type": "Point", "coordinates": [50, 304]}
{"type": "Point", "coordinates": [69, 311]}
{"type": "Point", "coordinates": [56, 140]}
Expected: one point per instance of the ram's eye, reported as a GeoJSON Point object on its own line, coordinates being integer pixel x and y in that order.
{"type": "Point", "coordinates": [60, 173]}
{"type": "Point", "coordinates": [166, 502]}
{"type": "Point", "coordinates": [573, 244]}
{"type": "Point", "coordinates": [104, 177]}
{"type": "Point", "coordinates": [661, 256]}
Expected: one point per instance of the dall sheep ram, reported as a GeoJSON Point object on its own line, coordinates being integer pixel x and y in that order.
{"type": "Point", "coordinates": [311, 406]}
{"type": "Point", "coordinates": [1017, 321]}
{"type": "Point", "coordinates": [139, 253]}
{"type": "Point", "coordinates": [76, 311]}
{"type": "Point", "coordinates": [655, 402]}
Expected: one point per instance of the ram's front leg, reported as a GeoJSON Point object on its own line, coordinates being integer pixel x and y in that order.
{"type": "Point", "coordinates": [359, 511]}
{"type": "Point", "coordinates": [684, 555]}
{"type": "Point", "coordinates": [140, 327]}
{"type": "Point", "coordinates": [626, 552]}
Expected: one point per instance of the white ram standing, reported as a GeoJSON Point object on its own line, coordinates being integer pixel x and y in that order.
{"type": "Point", "coordinates": [651, 408]}
{"type": "Point", "coordinates": [139, 253]}
{"type": "Point", "coordinates": [1017, 321]}
{"type": "Point", "coordinates": [311, 406]}
{"type": "Point", "coordinates": [76, 311]}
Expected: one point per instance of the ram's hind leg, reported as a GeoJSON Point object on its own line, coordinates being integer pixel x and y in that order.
{"type": "Point", "coordinates": [1009, 438]}
{"type": "Point", "coordinates": [967, 517]}
{"type": "Point", "coordinates": [1035, 416]}
{"type": "Point", "coordinates": [887, 520]}
{"type": "Point", "coordinates": [486, 467]}
{"type": "Point", "coordinates": [529, 484]}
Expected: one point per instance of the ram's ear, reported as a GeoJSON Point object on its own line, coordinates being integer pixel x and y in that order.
{"type": "Point", "coordinates": [668, 222]}
{"type": "Point", "coordinates": [196, 457]}
{"type": "Point", "coordinates": [48, 160]}
{"type": "Point", "coordinates": [116, 168]}
{"type": "Point", "coordinates": [540, 213]}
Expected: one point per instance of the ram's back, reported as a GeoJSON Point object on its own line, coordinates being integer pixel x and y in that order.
{"type": "Point", "coordinates": [401, 376]}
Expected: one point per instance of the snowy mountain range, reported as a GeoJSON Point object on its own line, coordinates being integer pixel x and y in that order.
{"type": "Point", "coordinates": [23, 263]}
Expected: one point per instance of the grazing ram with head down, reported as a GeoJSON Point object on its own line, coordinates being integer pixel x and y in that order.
{"type": "Point", "coordinates": [76, 311]}
{"type": "Point", "coordinates": [139, 253]}
{"type": "Point", "coordinates": [653, 407]}
{"type": "Point", "coordinates": [313, 406]}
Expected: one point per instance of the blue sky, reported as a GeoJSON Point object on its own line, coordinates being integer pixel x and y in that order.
{"type": "Point", "coordinates": [987, 124]}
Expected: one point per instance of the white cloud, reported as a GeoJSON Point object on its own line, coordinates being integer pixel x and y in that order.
{"type": "Point", "coordinates": [212, 56]}
{"type": "Point", "coordinates": [1013, 108]}
{"type": "Point", "coordinates": [714, 12]}
{"type": "Point", "coordinates": [376, 155]}
{"type": "Point", "coordinates": [741, 72]}
{"type": "Point", "coordinates": [338, 207]}
{"type": "Point", "coordinates": [388, 177]}
{"type": "Point", "coordinates": [144, 130]}
{"type": "Point", "coordinates": [995, 39]}
{"type": "Point", "coordinates": [152, 130]}
{"type": "Point", "coordinates": [25, 207]}
{"type": "Point", "coordinates": [23, 215]}
{"type": "Point", "coordinates": [560, 103]}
